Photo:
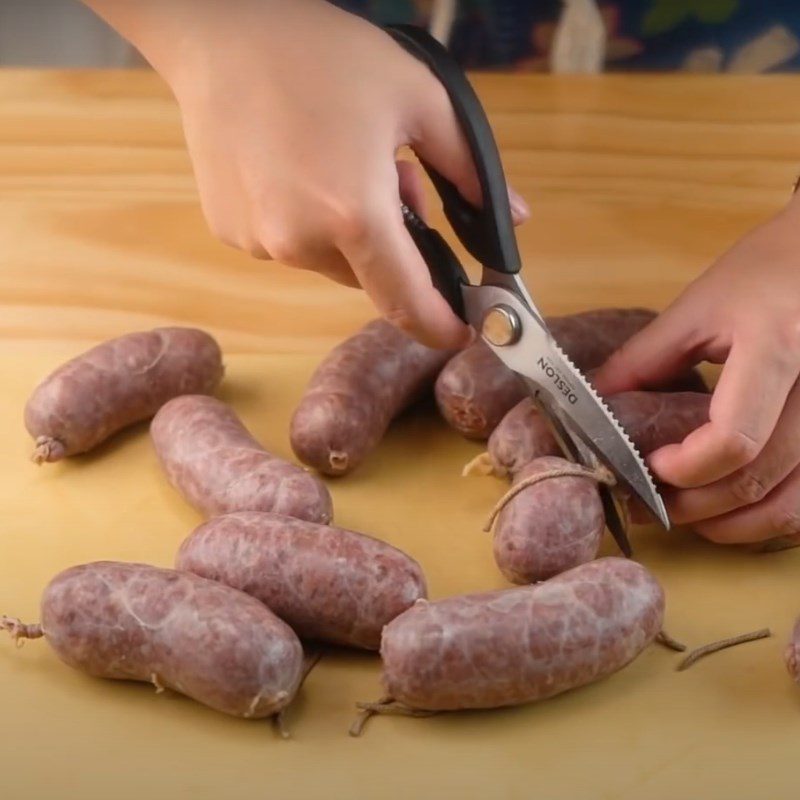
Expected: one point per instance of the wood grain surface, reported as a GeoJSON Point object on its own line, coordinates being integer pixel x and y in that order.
{"type": "Point", "coordinates": [636, 183]}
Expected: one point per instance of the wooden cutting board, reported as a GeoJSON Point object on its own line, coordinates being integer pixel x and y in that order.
{"type": "Point", "coordinates": [636, 184]}
{"type": "Point", "coordinates": [649, 731]}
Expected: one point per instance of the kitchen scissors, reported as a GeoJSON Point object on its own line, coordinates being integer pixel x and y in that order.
{"type": "Point", "coordinates": [502, 310]}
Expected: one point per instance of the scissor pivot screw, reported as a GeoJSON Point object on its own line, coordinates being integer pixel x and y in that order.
{"type": "Point", "coordinates": [501, 326]}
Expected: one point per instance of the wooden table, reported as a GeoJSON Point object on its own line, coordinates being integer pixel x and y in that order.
{"type": "Point", "coordinates": [636, 184]}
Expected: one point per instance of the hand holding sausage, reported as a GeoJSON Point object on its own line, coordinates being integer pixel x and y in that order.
{"type": "Point", "coordinates": [475, 389]}
{"type": "Point", "coordinates": [544, 527]}
{"type": "Point", "coordinates": [651, 419]}
{"type": "Point", "coordinates": [740, 472]}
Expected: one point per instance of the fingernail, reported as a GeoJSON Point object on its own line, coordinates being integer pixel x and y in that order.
{"type": "Point", "coordinates": [520, 210]}
{"type": "Point", "coordinates": [656, 460]}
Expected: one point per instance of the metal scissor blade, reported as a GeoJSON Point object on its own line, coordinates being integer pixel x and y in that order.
{"type": "Point", "coordinates": [614, 522]}
{"type": "Point", "coordinates": [565, 391]}
{"type": "Point", "coordinates": [575, 450]}
{"type": "Point", "coordinates": [589, 418]}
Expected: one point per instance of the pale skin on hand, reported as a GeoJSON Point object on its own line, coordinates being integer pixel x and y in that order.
{"type": "Point", "coordinates": [737, 478]}
{"type": "Point", "coordinates": [296, 159]}
{"type": "Point", "coordinates": [294, 112]}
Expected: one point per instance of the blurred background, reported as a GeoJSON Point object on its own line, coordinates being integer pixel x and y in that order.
{"type": "Point", "coordinates": [59, 33]}
{"type": "Point", "coordinates": [736, 36]}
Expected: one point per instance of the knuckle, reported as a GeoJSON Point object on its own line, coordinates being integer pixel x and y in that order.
{"type": "Point", "coordinates": [738, 447]}
{"type": "Point", "coordinates": [283, 252]}
{"type": "Point", "coordinates": [238, 239]}
{"type": "Point", "coordinates": [410, 323]}
{"type": "Point", "coordinates": [349, 223]}
{"type": "Point", "coordinates": [402, 319]}
{"type": "Point", "coordinates": [787, 338]}
{"type": "Point", "coordinates": [785, 521]}
{"type": "Point", "coordinates": [748, 488]}
{"type": "Point", "coordinates": [282, 245]}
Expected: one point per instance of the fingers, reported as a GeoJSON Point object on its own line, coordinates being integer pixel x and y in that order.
{"type": "Point", "coordinates": [638, 512]}
{"type": "Point", "coordinates": [777, 515]}
{"type": "Point", "coordinates": [520, 210]}
{"type": "Point", "coordinates": [334, 267]}
{"type": "Point", "coordinates": [308, 253]}
{"type": "Point", "coordinates": [355, 235]}
{"type": "Point", "coordinates": [440, 142]}
{"type": "Point", "coordinates": [753, 482]}
{"type": "Point", "coordinates": [412, 188]}
{"type": "Point", "coordinates": [663, 349]}
{"type": "Point", "coordinates": [747, 403]}
{"type": "Point", "coordinates": [391, 270]}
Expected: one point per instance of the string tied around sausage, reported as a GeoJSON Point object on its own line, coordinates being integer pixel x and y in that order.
{"type": "Point", "coordinates": [597, 473]}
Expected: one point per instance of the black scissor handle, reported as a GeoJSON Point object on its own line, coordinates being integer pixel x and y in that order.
{"type": "Point", "coordinates": [487, 232]}
{"type": "Point", "coordinates": [447, 274]}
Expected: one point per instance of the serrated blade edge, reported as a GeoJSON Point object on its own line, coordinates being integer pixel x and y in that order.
{"type": "Point", "coordinates": [652, 496]}
{"type": "Point", "coordinates": [560, 386]}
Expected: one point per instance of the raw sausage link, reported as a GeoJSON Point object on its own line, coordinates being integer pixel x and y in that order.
{"type": "Point", "coordinates": [327, 583]}
{"type": "Point", "coordinates": [792, 654]}
{"type": "Point", "coordinates": [356, 392]}
{"type": "Point", "coordinates": [556, 524]}
{"type": "Point", "coordinates": [522, 436]}
{"type": "Point", "coordinates": [519, 645]}
{"type": "Point", "coordinates": [655, 419]}
{"type": "Point", "coordinates": [651, 419]}
{"type": "Point", "coordinates": [590, 337]}
{"type": "Point", "coordinates": [549, 527]}
{"type": "Point", "coordinates": [475, 389]}
{"type": "Point", "coordinates": [176, 630]}
{"type": "Point", "coordinates": [117, 383]}
{"type": "Point", "coordinates": [217, 465]}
